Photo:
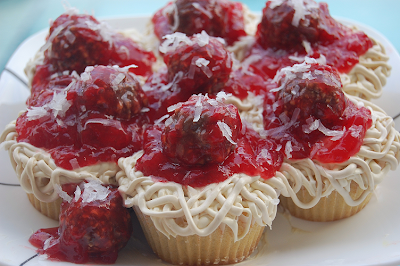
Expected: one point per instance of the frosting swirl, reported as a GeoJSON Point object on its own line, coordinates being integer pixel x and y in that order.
{"type": "Point", "coordinates": [38, 173]}
{"type": "Point", "coordinates": [184, 210]}
{"type": "Point", "coordinates": [368, 77]}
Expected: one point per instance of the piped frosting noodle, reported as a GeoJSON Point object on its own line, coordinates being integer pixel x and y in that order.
{"type": "Point", "coordinates": [379, 153]}
{"type": "Point", "coordinates": [184, 210]}
{"type": "Point", "coordinates": [250, 109]}
{"type": "Point", "coordinates": [368, 77]}
{"type": "Point", "coordinates": [38, 173]}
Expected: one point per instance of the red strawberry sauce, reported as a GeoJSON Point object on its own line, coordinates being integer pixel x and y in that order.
{"type": "Point", "coordinates": [90, 231]}
{"type": "Point", "coordinates": [279, 43]}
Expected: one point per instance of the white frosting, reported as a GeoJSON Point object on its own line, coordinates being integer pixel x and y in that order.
{"type": "Point", "coordinates": [38, 173]}
{"type": "Point", "coordinates": [368, 77]}
{"type": "Point", "coordinates": [180, 210]}
{"type": "Point", "coordinates": [250, 109]}
{"type": "Point", "coordinates": [379, 153]}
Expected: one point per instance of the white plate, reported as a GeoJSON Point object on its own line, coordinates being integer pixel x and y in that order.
{"type": "Point", "coordinates": [372, 237]}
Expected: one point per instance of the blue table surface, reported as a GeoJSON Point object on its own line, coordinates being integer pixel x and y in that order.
{"type": "Point", "coordinates": [21, 18]}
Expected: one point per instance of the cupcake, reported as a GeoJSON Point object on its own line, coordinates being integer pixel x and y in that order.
{"type": "Point", "coordinates": [75, 128]}
{"type": "Point", "coordinates": [62, 136]}
{"type": "Point", "coordinates": [291, 30]}
{"type": "Point", "coordinates": [200, 186]}
{"type": "Point", "coordinates": [337, 147]}
{"type": "Point", "coordinates": [327, 192]}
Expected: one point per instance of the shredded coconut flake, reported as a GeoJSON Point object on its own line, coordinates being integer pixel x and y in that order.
{"type": "Point", "coordinates": [307, 47]}
{"type": "Point", "coordinates": [93, 190]}
{"type": "Point", "coordinates": [117, 80]}
{"type": "Point", "coordinates": [64, 195]}
{"type": "Point", "coordinates": [355, 130]}
{"type": "Point", "coordinates": [296, 58]}
{"type": "Point", "coordinates": [278, 130]}
{"type": "Point", "coordinates": [49, 243]}
{"type": "Point", "coordinates": [172, 41]}
{"type": "Point", "coordinates": [202, 62]}
{"type": "Point", "coordinates": [85, 76]}
{"type": "Point", "coordinates": [174, 107]}
{"type": "Point", "coordinates": [70, 11]}
{"type": "Point", "coordinates": [287, 74]}
{"type": "Point", "coordinates": [36, 112]}
{"type": "Point", "coordinates": [70, 36]}
{"type": "Point", "coordinates": [202, 38]}
{"type": "Point", "coordinates": [222, 96]}
{"type": "Point", "coordinates": [202, 10]}
{"type": "Point", "coordinates": [212, 102]}
{"type": "Point", "coordinates": [265, 155]}
{"type": "Point", "coordinates": [59, 104]}
{"type": "Point", "coordinates": [288, 149]}
{"type": "Point", "coordinates": [167, 122]}
{"type": "Point", "coordinates": [74, 163]}
{"type": "Point", "coordinates": [159, 121]}
{"type": "Point", "coordinates": [311, 125]}
{"type": "Point", "coordinates": [78, 193]}
{"type": "Point", "coordinates": [198, 108]}
{"type": "Point", "coordinates": [275, 3]}
{"type": "Point", "coordinates": [335, 134]}
{"type": "Point", "coordinates": [226, 131]}
{"type": "Point", "coordinates": [308, 76]}
{"type": "Point", "coordinates": [360, 104]}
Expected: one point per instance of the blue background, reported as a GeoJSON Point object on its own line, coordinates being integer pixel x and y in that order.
{"type": "Point", "coordinates": [21, 18]}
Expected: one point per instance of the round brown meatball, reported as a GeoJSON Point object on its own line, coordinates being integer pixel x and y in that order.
{"type": "Point", "coordinates": [202, 131]}
{"type": "Point", "coordinates": [111, 91]}
{"type": "Point", "coordinates": [316, 92]}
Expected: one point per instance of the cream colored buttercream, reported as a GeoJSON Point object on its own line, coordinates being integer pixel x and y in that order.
{"type": "Point", "coordinates": [368, 77]}
{"type": "Point", "coordinates": [184, 210]}
{"type": "Point", "coordinates": [250, 109]}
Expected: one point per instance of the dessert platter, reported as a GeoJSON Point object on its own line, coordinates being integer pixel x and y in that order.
{"type": "Point", "coordinates": [216, 156]}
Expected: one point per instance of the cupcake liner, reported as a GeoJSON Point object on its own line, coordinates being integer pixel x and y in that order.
{"type": "Point", "coordinates": [215, 249]}
{"type": "Point", "coordinates": [49, 209]}
{"type": "Point", "coordinates": [330, 208]}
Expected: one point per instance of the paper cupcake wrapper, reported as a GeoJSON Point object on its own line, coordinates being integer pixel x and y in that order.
{"type": "Point", "coordinates": [49, 209]}
{"type": "Point", "coordinates": [215, 249]}
{"type": "Point", "coordinates": [330, 208]}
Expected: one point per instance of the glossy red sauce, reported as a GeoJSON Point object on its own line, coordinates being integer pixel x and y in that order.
{"type": "Point", "coordinates": [290, 117]}
{"type": "Point", "coordinates": [243, 159]}
{"type": "Point", "coordinates": [196, 153]}
{"type": "Point", "coordinates": [184, 75]}
{"type": "Point", "coordinates": [100, 125]}
{"type": "Point", "coordinates": [218, 18]}
{"type": "Point", "coordinates": [89, 232]}
{"type": "Point", "coordinates": [279, 43]}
